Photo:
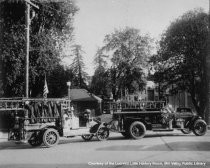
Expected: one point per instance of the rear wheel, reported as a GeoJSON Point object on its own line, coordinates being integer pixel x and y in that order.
{"type": "Point", "coordinates": [87, 137]}
{"type": "Point", "coordinates": [137, 130]}
{"type": "Point", "coordinates": [50, 137]}
{"type": "Point", "coordinates": [199, 127]}
{"type": "Point", "coordinates": [102, 134]}
{"type": "Point", "coordinates": [36, 139]}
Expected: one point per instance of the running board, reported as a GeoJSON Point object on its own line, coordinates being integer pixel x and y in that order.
{"type": "Point", "coordinates": [156, 130]}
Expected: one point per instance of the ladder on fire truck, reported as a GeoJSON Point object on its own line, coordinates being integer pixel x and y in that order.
{"type": "Point", "coordinates": [134, 106]}
{"type": "Point", "coordinates": [16, 104]}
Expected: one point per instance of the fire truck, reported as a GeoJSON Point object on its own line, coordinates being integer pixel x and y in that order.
{"type": "Point", "coordinates": [42, 121]}
{"type": "Point", "coordinates": [133, 119]}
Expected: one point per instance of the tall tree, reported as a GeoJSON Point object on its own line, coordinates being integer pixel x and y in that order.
{"type": "Point", "coordinates": [58, 81]}
{"type": "Point", "coordinates": [50, 27]}
{"type": "Point", "coordinates": [99, 83]}
{"type": "Point", "coordinates": [181, 57]}
{"type": "Point", "coordinates": [78, 66]}
{"type": "Point", "coordinates": [100, 59]}
{"type": "Point", "coordinates": [130, 52]}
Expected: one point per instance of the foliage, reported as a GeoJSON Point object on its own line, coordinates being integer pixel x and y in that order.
{"type": "Point", "coordinates": [128, 46]}
{"type": "Point", "coordinates": [181, 56]}
{"type": "Point", "coordinates": [78, 66]}
{"type": "Point", "coordinates": [100, 59]}
{"type": "Point", "coordinates": [50, 28]}
{"type": "Point", "coordinates": [58, 81]}
{"type": "Point", "coordinates": [130, 52]}
{"type": "Point", "coordinates": [13, 55]}
{"type": "Point", "coordinates": [100, 82]}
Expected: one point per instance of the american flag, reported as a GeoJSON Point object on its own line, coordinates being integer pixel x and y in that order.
{"type": "Point", "coordinates": [46, 91]}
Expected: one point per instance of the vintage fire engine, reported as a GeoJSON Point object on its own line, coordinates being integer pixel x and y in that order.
{"type": "Point", "coordinates": [132, 119]}
{"type": "Point", "coordinates": [44, 121]}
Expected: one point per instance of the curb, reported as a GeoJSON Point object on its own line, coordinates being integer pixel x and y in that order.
{"type": "Point", "coordinates": [3, 135]}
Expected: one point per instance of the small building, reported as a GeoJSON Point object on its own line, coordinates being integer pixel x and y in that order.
{"type": "Point", "coordinates": [82, 100]}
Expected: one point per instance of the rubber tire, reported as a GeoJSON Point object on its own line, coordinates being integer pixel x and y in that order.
{"type": "Point", "coordinates": [186, 131]}
{"type": "Point", "coordinates": [36, 141]}
{"type": "Point", "coordinates": [98, 134]}
{"type": "Point", "coordinates": [46, 139]}
{"type": "Point", "coordinates": [203, 124]}
{"type": "Point", "coordinates": [140, 128]}
{"type": "Point", "coordinates": [87, 137]}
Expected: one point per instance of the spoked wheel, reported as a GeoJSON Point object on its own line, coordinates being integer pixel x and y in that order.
{"type": "Point", "coordinates": [137, 130]}
{"type": "Point", "coordinates": [87, 137]}
{"type": "Point", "coordinates": [102, 134]}
{"type": "Point", "coordinates": [36, 139]}
{"type": "Point", "coordinates": [50, 137]}
{"type": "Point", "coordinates": [199, 127]}
{"type": "Point", "coordinates": [186, 131]}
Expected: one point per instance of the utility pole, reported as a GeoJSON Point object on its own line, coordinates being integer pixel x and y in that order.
{"type": "Point", "coordinates": [27, 16]}
{"type": "Point", "coordinates": [207, 68]}
{"type": "Point", "coordinates": [28, 21]}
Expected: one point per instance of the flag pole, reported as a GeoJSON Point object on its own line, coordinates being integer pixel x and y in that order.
{"type": "Point", "coordinates": [45, 91]}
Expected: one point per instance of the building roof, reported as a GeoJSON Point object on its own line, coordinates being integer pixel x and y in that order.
{"type": "Point", "coordinates": [83, 95]}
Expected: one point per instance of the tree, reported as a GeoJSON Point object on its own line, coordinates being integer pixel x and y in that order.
{"type": "Point", "coordinates": [129, 46]}
{"type": "Point", "coordinates": [181, 57]}
{"type": "Point", "coordinates": [100, 82]}
{"type": "Point", "coordinates": [78, 66]}
{"type": "Point", "coordinates": [57, 81]}
{"type": "Point", "coordinates": [130, 52]}
{"type": "Point", "coordinates": [99, 59]}
{"type": "Point", "coordinates": [13, 55]}
{"type": "Point", "coordinates": [50, 27]}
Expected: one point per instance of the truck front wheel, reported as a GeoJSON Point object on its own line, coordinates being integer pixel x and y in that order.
{"type": "Point", "coordinates": [102, 134]}
{"type": "Point", "coordinates": [137, 130]}
{"type": "Point", "coordinates": [199, 127]}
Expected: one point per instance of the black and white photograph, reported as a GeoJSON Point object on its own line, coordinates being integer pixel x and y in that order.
{"type": "Point", "coordinates": [104, 83]}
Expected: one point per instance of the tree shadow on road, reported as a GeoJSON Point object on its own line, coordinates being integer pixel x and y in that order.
{"type": "Point", "coordinates": [154, 135]}
{"type": "Point", "coordinates": [13, 145]}
{"type": "Point", "coordinates": [172, 146]}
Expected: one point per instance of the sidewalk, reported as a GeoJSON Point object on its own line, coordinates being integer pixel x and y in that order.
{"type": "Point", "coordinates": [3, 136]}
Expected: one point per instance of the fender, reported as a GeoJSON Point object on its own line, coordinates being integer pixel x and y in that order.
{"type": "Point", "coordinates": [192, 121]}
{"type": "Point", "coordinates": [95, 128]}
{"type": "Point", "coordinates": [128, 121]}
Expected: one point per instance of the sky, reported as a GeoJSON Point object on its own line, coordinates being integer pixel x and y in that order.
{"type": "Point", "coordinates": [97, 18]}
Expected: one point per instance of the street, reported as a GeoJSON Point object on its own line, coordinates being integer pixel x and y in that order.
{"type": "Point", "coordinates": [156, 149]}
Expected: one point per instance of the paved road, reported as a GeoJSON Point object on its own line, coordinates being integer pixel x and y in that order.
{"type": "Point", "coordinates": [156, 148]}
